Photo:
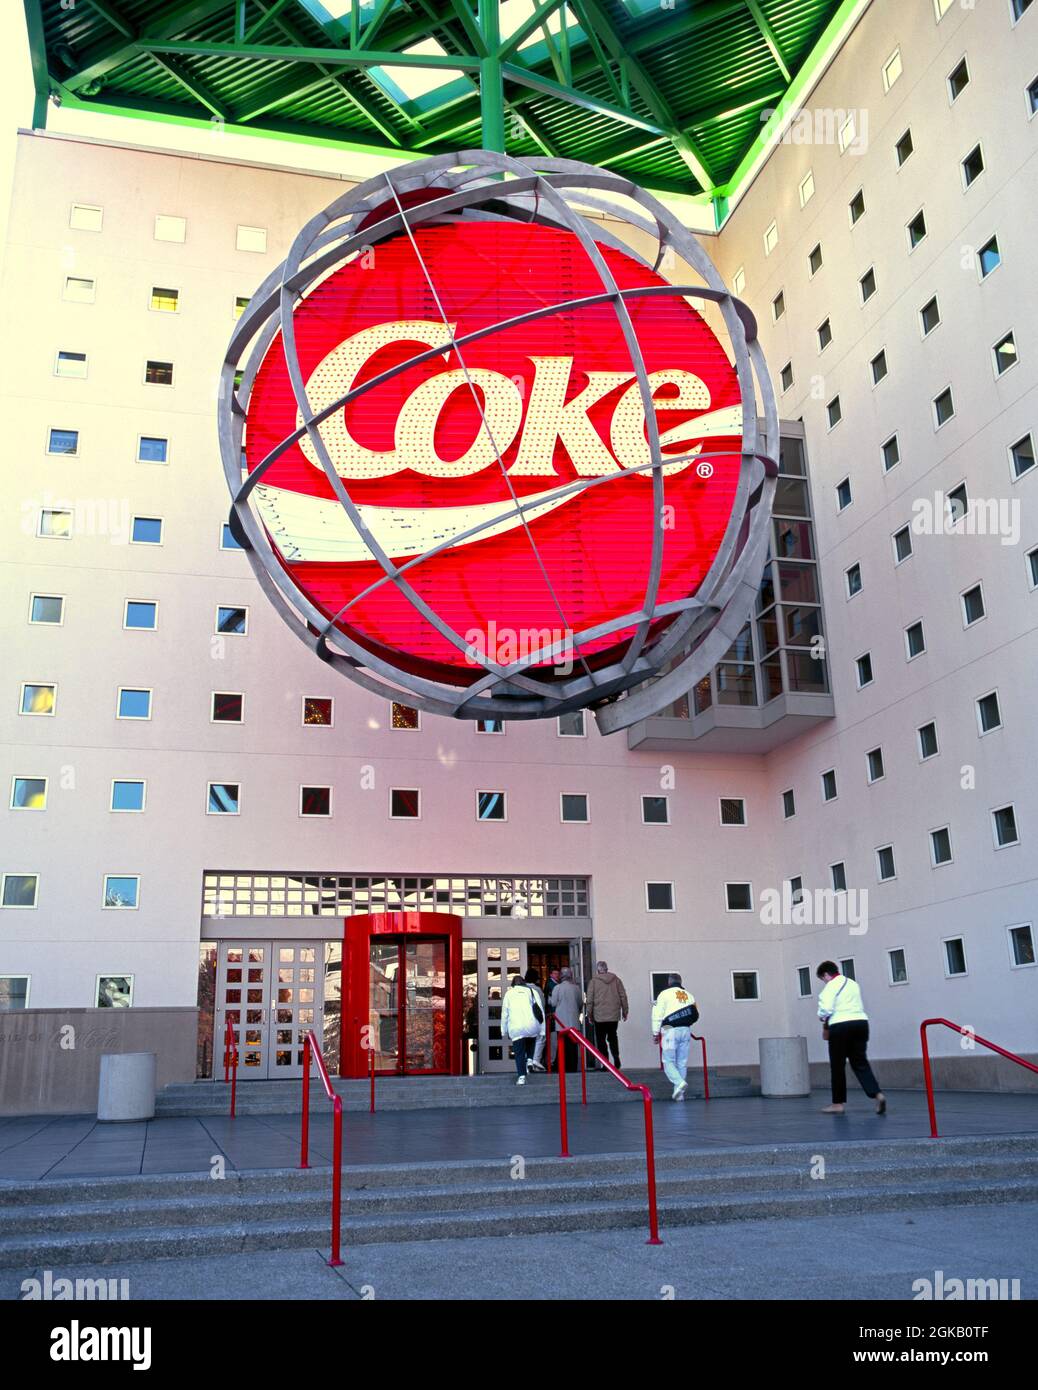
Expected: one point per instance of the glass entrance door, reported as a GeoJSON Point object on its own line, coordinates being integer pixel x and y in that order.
{"type": "Point", "coordinates": [497, 963]}
{"type": "Point", "coordinates": [272, 994]}
{"type": "Point", "coordinates": [408, 1004]}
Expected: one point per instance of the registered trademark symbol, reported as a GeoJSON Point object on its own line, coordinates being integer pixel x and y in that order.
{"type": "Point", "coordinates": [705, 470]}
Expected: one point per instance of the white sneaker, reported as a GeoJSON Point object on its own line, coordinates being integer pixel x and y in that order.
{"type": "Point", "coordinates": [679, 1091]}
{"type": "Point", "coordinates": [521, 1081]}
{"type": "Point", "coordinates": [534, 1066]}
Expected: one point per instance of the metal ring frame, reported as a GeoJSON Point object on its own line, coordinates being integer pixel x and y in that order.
{"type": "Point", "coordinates": [478, 184]}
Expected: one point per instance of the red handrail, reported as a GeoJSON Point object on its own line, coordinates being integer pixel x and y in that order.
{"type": "Point", "coordinates": [966, 1033]}
{"type": "Point", "coordinates": [372, 1071]}
{"type": "Point", "coordinates": [646, 1094]}
{"type": "Point", "coordinates": [312, 1045]}
{"type": "Point", "coordinates": [230, 1061]}
{"type": "Point", "coordinates": [706, 1078]}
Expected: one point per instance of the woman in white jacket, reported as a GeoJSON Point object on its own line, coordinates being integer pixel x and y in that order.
{"type": "Point", "coordinates": [519, 1022]}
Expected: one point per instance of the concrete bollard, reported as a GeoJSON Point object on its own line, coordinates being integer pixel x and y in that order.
{"type": "Point", "coordinates": [126, 1086]}
{"type": "Point", "coordinates": [783, 1067]}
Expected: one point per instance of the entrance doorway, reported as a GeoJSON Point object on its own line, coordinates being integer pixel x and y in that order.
{"type": "Point", "coordinates": [272, 992]}
{"type": "Point", "coordinates": [497, 962]}
{"type": "Point", "coordinates": [408, 1005]}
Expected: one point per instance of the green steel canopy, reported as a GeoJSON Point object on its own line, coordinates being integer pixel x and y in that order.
{"type": "Point", "coordinates": [674, 94]}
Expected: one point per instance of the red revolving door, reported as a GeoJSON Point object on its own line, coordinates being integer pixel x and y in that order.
{"type": "Point", "coordinates": [401, 994]}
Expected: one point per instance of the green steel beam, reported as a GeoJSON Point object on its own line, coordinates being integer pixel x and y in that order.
{"type": "Point", "coordinates": [473, 32]}
{"type": "Point", "coordinates": [524, 77]}
{"type": "Point", "coordinates": [295, 53]}
{"type": "Point", "coordinates": [768, 34]}
{"type": "Point", "coordinates": [100, 61]}
{"type": "Point", "coordinates": [491, 79]}
{"type": "Point", "coordinates": [542, 12]}
{"type": "Point", "coordinates": [38, 58]}
{"type": "Point", "coordinates": [114, 18]}
{"type": "Point", "coordinates": [264, 19]}
{"type": "Point", "coordinates": [375, 23]}
{"type": "Point", "coordinates": [191, 84]}
{"type": "Point", "coordinates": [535, 130]}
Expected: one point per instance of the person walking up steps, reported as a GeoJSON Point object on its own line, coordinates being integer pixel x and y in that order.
{"type": "Point", "coordinates": [606, 1006]}
{"type": "Point", "coordinates": [845, 1026]}
{"type": "Point", "coordinates": [520, 1022]}
{"type": "Point", "coordinates": [673, 1015]}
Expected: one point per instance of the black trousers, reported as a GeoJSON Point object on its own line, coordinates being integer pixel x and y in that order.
{"type": "Point", "coordinates": [606, 1038]}
{"type": "Point", "coordinates": [847, 1043]}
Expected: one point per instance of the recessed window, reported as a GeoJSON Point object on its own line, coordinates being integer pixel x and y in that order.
{"type": "Point", "coordinates": [903, 148]}
{"type": "Point", "coordinates": [71, 364]}
{"type": "Point", "coordinates": [989, 715]}
{"type": "Point", "coordinates": [1021, 455]}
{"type": "Point", "coordinates": [874, 764]}
{"type": "Point", "coordinates": [885, 868]}
{"type": "Point", "coordinates": [863, 670]}
{"type": "Point", "coordinates": [79, 289]}
{"type": "Point", "coordinates": [739, 281]}
{"type": "Point", "coordinates": [787, 376]}
{"type": "Point", "coordinates": [972, 166]}
{"type": "Point", "coordinates": [814, 259]}
{"type": "Point", "coordinates": [807, 188]}
{"type": "Point", "coordinates": [843, 493]}
{"type": "Point", "coordinates": [490, 726]}
{"type": "Point", "coordinates": [223, 799]}
{"type": "Point", "coordinates": [733, 810]}
{"type": "Point", "coordinates": [954, 956]}
{"type": "Point", "coordinates": [943, 407]}
{"type": "Point", "coordinates": [852, 579]}
{"type": "Point", "coordinates": [829, 785]}
{"type": "Point", "coordinates": [770, 238]}
{"type": "Point", "coordinates": [825, 334]}
{"type": "Point", "coordinates": [47, 608]}
{"type": "Point", "coordinates": [318, 709]}
{"type": "Point", "coordinates": [916, 229]}
{"type": "Point", "coordinates": [158, 373]}
{"type": "Point", "coordinates": [574, 807]}
{"type": "Point", "coordinates": [63, 442]}
{"type": "Point", "coordinates": [164, 301]}
{"type": "Point", "coordinates": [856, 207]}
{"type": "Point", "coordinates": [972, 605]}
{"type": "Point", "coordinates": [867, 285]}
{"type": "Point", "coordinates": [404, 717]}
{"type": "Point", "coordinates": [796, 889]}
{"type": "Point", "coordinates": [1021, 946]}
{"type": "Point", "coordinates": [146, 530]}
{"type": "Point", "coordinates": [1004, 353]}
{"type": "Point", "coordinates": [1032, 97]}
{"type": "Point", "coordinates": [251, 239]}
{"type": "Point", "coordinates": [834, 412]}
{"type": "Point", "coordinates": [957, 504]}
{"type": "Point", "coordinates": [169, 228]}
{"type": "Point", "coordinates": [54, 524]}
{"type": "Point", "coordinates": [655, 810]}
{"type": "Point", "coordinates": [940, 846]}
{"type": "Point", "coordinates": [152, 448]}
{"type": "Point", "coordinates": [789, 804]}
{"type": "Point", "coordinates": [738, 897]}
{"type": "Point", "coordinates": [838, 876]}
{"type": "Point", "coordinates": [891, 453]}
{"type": "Point", "coordinates": [902, 544]}
{"type": "Point", "coordinates": [241, 303]}
{"type": "Point", "coordinates": [659, 897]}
{"type": "Point", "coordinates": [804, 981]}
{"type": "Point", "coordinates": [571, 725]}
{"type": "Point", "coordinates": [232, 622]}
{"type": "Point", "coordinates": [915, 642]}
{"type": "Point", "coordinates": [878, 367]}
{"type": "Point", "coordinates": [122, 891]}
{"type": "Point", "coordinates": [133, 703]}
{"type": "Point", "coordinates": [86, 217]}
{"type": "Point", "coordinates": [958, 79]}
{"type": "Point", "coordinates": [14, 992]}
{"type": "Point", "coordinates": [1032, 567]}
{"type": "Point", "coordinates": [38, 699]}
{"type": "Point", "coordinates": [897, 965]}
{"type": "Point", "coordinates": [1003, 822]}
{"type": "Point", "coordinates": [228, 540]}
{"type": "Point", "coordinates": [989, 257]}
{"type": "Point", "coordinates": [228, 707]}
{"type": "Point", "coordinates": [315, 801]}
{"type": "Point", "coordinates": [927, 735]}
{"type": "Point", "coordinates": [490, 806]}
{"type": "Point", "coordinates": [28, 794]}
{"type": "Point", "coordinates": [1019, 8]}
{"type": "Point", "coordinates": [847, 133]}
{"type": "Point", "coordinates": [142, 614]}
{"type": "Point", "coordinates": [127, 796]}
{"type": "Point", "coordinates": [19, 890]}
{"type": "Point", "coordinates": [778, 306]}
{"type": "Point", "coordinates": [892, 69]}
{"type": "Point", "coordinates": [404, 803]}
{"type": "Point", "coordinates": [745, 986]}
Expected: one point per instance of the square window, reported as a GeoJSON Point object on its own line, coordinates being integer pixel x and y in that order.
{"type": "Point", "coordinates": [834, 412]}
{"type": "Point", "coordinates": [927, 734]}
{"type": "Point", "coordinates": [955, 956]}
{"type": "Point", "coordinates": [71, 364]}
{"type": "Point", "coordinates": [897, 964]}
{"type": "Point", "coordinates": [940, 846]}
{"type": "Point", "coordinates": [14, 992]}
{"type": "Point", "coordinates": [490, 806]}
{"type": "Point", "coordinates": [251, 239]}
{"type": "Point", "coordinates": [878, 367]}
{"type": "Point", "coordinates": [943, 407]}
{"type": "Point", "coordinates": [127, 796]}
{"type": "Point", "coordinates": [571, 725]}
{"type": "Point", "coordinates": [903, 148]}
{"type": "Point", "coordinates": [733, 810]}
{"type": "Point", "coordinates": [38, 699]}
{"type": "Point", "coordinates": [141, 614]}
{"type": "Point", "coordinates": [874, 764]}
{"type": "Point", "coordinates": [146, 530]}
{"type": "Point", "coordinates": [574, 807]}
{"type": "Point", "coordinates": [133, 703]}
{"type": "Point", "coordinates": [916, 230]}
{"type": "Point", "coordinates": [404, 803]}
{"type": "Point", "coordinates": [778, 306]}
{"type": "Point", "coordinates": [902, 544]}
{"type": "Point", "coordinates": [86, 217]}
{"type": "Point", "coordinates": [972, 166]}
{"type": "Point", "coordinates": [989, 257]}
{"type": "Point", "coordinates": [315, 801]}
{"type": "Point", "coordinates": [1004, 353]}
{"type": "Point", "coordinates": [929, 316]}
{"type": "Point", "coordinates": [228, 707]}
{"type": "Point", "coordinates": [739, 281]}
{"type": "Point", "coordinates": [852, 579]}
{"type": "Point", "coordinates": [863, 670]}
{"type": "Point", "coordinates": [825, 335]}
{"type": "Point", "coordinates": [47, 608]}
{"type": "Point", "coordinates": [223, 799]}
{"type": "Point", "coordinates": [1019, 8]}
{"type": "Point", "coordinates": [957, 501]}
{"type": "Point", "coordinates": [152, 448]}
{"type": "Point", "coordinates": [232, 621]}
{"type": "Point", "coordinates": [829, 785]}
{"type": "Point", "coordinates": [814, 259]}
{"type": "Point", "coordinates": [158, 373]}
{"type": "Point", "coordinates": [659, 897]}
{"type": "Point", "coordinates": [228, 540]}
{"type": "Point", "coordinates": [403, 717]}
{"type": "Point", "coordinates": [19, 890]}
{"type": "Point", "coordinates": [796, 889]}
{"type": "Point", "coordinates": [804, 981]}
{"type": "Point", "coordinates": [490, 726]}
{"type": "Point", "coordinates": [885, 863]}
{"type": "Point", "coordinates": [164, 301]}
{"type": "Point", "coordinates": [1021, 945]}
{"type": "Point", "coordinates": [843, 494]}
{"type": "Point", "coordinates": [1032, 567]}
{"type": "Point", "coordinates": [972, 605]}
{"type": "Point", "coordinates": [856, 207]}
{"type": "Point", "coordinates": [79, 289]}
{"type": "Point", "coordinates": [54, 524]}
{"type": "Point", "coordinates": [318, 709]}
{"type": "Point", "coordinates": [787, 376]}
{"type": "Point", "coordinates": [1022, 456]}
{"type": "Point", "coordinates": [770, 238]}
{"type": "Point", "coordinates": [738, 897]}
{"type": "Point", "coordinates": [958, 79]}
{"type": "Point", "coordinates": [838, 877]}
{"type": "Point", "coordinates": [989, 715]}
{"type": "Point", "coordinates": [169, 228]}
{"type": "Point", "coordinates": [28, 794]}
{"type": "Point", "coordinates": [113, 991]}
{"type": "Point", "coordinates": [655, 810]}
{"type": "Point", "coordinates": [1004, 825]}
{"type": "Point", "coordinates": [915, 643]}
{"type": "Point", "coordinates": [122, 890]}
{"type": "Point", "coordinates": [1032, 97]}
{"type": "Point", "coordinates": [241, 303]}
{"type": "Point", "coordinates": [807, 188]}
{"type": "Point", "coordinates": [867, 285]}
{"type": "Point", "coordinates": [789, 805]}
{"type": "Point", "coordinates": [745, 985]}
{"type": "Point", "coordinates": [63, 442]}
{"type": "Point", "coordinates": [847, 133]}
{"type": "Point", "coordinates": [891, 453]}
{"type": "Point", "coordinates": [847, 968]}
{"type": "Point", "coordinates": [892, 69]}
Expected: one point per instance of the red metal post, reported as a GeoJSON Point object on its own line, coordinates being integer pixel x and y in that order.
{"type": "Point", "coordinates": [304, 1141]}
{"type": "Point", "coordinates": [650, 1168]}
{"type": "Point", "coordinates": [583, 1076]}
{"type": "Point", "coordinates": [547, 1041]}
{"type": "Point", "coordinates": [336, 1178]}
{"type": "Point", "coordinates": [230, 1057]}
{"type": "Point", "coordinates": [706, 1078]}
{"type": "Point", "coordinates": [928, 1078]}
{"type": "Point", "coordinates": [371, 1069]}
{"type": "Point", "coordinates": [560, 1057]}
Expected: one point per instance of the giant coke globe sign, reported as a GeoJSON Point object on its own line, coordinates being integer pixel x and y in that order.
{"type": "Point", "coordinates": [500, 443]}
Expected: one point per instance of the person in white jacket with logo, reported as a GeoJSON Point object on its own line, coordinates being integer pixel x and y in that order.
{"type": "Point", "coordinates": [673, 1015]}
{"type": "Point", "coordinates": [519, 1022]}
{"type": "Point", "coordinates": [845, 1027]}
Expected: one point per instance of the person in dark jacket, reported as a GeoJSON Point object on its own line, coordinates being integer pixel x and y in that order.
{"type": "Point", "coordinates": [606, 1007]}
{"type": "Point", "coordinates": [567, 999]}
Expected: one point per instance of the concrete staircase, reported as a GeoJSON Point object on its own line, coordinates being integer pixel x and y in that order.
{"type": "Point", "coordinates": [428, 1092]}
{"type": "Point", "coordinates": [51, 1225]}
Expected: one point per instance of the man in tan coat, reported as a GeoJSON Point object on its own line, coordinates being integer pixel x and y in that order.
{"type": "Point", "coordinates": [606, 1007]}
